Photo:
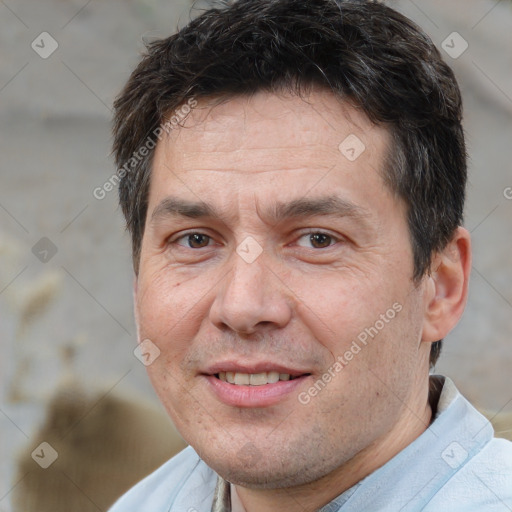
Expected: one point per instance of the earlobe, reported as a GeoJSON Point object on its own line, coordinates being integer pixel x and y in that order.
{"type": "Point", "coordinates": [447, 287]}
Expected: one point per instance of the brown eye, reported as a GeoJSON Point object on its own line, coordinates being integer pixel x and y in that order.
{"type": "Point", "coordinates": [197, 240]}
{"type": "Point", "coordinates": [320, 240]}
{"type": "Point", "coordinates": [194, 240]}
{"type": "Point", "coordinates": [316, 240]}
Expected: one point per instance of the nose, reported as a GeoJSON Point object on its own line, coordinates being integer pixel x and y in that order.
{"type": "Point", "coordinates": [251, 298]}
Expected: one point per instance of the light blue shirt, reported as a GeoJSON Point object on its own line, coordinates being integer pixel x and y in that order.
{"type": "Point", "coordinates": [456, 465]}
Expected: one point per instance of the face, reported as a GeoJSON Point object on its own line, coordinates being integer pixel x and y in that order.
{"type": "Point", "coordinates": [273, 250]}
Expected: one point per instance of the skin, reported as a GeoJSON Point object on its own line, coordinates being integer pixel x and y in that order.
{"type": "Point", "coordinates": [301, 303]}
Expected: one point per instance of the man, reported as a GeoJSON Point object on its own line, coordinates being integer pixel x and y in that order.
{"type": "Point", "coordinates": [293, 176]}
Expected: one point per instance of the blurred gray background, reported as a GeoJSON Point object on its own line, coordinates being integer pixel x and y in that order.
{"type": "Point", "coordinates": [65, 269]}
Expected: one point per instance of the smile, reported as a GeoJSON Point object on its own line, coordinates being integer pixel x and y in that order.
{"type": "Point", "coordinates": [254, 390]}
{"type": "Point", "coordinates": [254, 379]}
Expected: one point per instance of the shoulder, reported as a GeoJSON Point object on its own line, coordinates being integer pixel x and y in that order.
{"type": "Point", "coordinates": [483, 482]}
{"type": "Point", "coordinates": [180, 478]}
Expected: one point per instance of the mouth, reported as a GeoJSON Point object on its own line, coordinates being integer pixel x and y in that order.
{"type": "Point", "coordinates": [256, 379]}
{"type": "Point", "coordinates": [254, 387]}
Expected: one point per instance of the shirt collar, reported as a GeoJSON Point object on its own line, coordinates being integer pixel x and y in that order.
{"type": "Point", "coordinates": [222, 496]}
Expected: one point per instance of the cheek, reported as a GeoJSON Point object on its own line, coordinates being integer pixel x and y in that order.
{"type": "Point", "coordinates": [168, 315]}
{"type": "Point", "coordinates": [166, 304]}
{"type": "Point", "coordinates": [338, 307]}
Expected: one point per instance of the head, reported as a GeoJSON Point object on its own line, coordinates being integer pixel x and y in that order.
{"type": "Point", "coordinates": [308, 205]}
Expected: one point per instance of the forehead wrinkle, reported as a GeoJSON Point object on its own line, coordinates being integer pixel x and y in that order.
{"type": "Point", "coordinates": [255, 160]}
{"type": "Point", "coordinates": [277, 212]}
{"type": "Point", "coordinates": [299, 147]}
{"type": "Point", "coordinates": [259, 171]}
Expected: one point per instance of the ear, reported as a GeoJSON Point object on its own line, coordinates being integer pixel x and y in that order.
{"type": "Point", "coordinates": [446, 289]}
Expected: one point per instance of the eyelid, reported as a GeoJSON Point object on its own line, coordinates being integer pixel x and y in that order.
{"type": "Point", "coordinates": [174, 238]}
{"type": "Point", "coordinates": [312, 231]}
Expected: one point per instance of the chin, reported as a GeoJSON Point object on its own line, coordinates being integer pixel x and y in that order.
{"type": "Point", "coordinates": [257, 478]}
{"type": "Point", "coordinates": [250, 468]}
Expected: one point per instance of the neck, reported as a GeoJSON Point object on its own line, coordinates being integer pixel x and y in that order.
{"type": "Point", "coordinates": [312, 496]}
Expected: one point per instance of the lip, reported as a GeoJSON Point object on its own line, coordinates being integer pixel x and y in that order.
{"type": "Point", "coordinates": [259, 367]}
{"type": "Point", "coordinates": [253, 396]}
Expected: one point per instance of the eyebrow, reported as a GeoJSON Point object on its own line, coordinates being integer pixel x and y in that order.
{"type": "Point", "coordinates": [328, 205]}
{"type": "Point", "coordinates": [175, 207]}
{"type": "Point", "coordinates": [278, 212]}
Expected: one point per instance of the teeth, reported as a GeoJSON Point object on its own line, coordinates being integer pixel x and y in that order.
{"type": "Point", "coordinates": [273, 377]}
{"type": "Point", "coordinates": [253, 379]}
{"type": "Point", "coordinates": [242, 379]}
{"type": "Point", "coordinates": [256, 379]}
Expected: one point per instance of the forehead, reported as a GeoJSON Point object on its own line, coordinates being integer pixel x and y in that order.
{"type": "Point", "coordinates": [272, 144]}
{"type": "Point", "coordinates": [271, 120]}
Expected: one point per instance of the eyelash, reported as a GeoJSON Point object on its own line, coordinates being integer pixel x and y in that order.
{"type": "Point", "coordinates": [185, 235]}
{"type": "Point", "coordinates": [333, 238]}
